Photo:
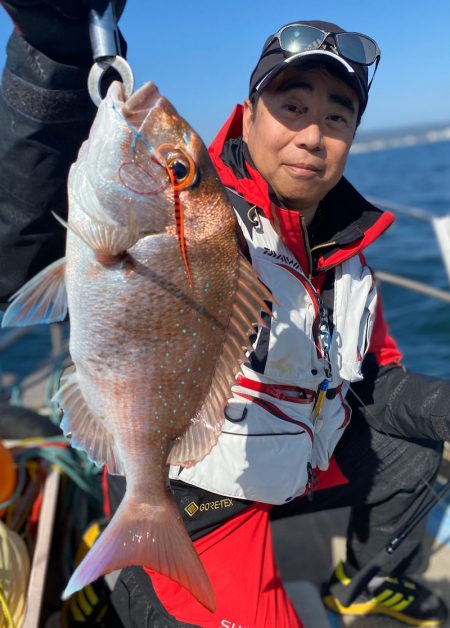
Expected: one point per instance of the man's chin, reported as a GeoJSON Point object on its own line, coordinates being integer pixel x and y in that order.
{"type": "Point", "coordinates": [301, 201]}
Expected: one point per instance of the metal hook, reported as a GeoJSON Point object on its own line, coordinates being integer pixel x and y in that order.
{"type": "Point", "coordinates": [98, 70]}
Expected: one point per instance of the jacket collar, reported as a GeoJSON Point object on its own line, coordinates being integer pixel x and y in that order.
{"type": "Point", "coordinates": [345, 223]}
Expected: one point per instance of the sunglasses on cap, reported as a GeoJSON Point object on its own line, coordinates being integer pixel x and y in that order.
{"type": "Point", "coordinates": [296, 38]}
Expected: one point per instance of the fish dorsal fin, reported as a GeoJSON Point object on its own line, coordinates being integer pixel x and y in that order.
{"type": "Point", "coordinates": [86, 430]}
{"type": "Point", "coordinates": [205, 427]}
{"type": "Point", "coordinates": [43, 299]}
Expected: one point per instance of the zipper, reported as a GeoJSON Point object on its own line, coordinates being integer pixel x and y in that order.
{"type": "Point", "coordinates": [324, 328]}
{"type": "Point", "coordinates": [275, 411]}
{"type": "Point", "coordinates": [307, 247]}
{"type": "Point", "coordinates": [325, 337]}
{"type": "Point", "coordinates": [321, 330]}
{"type": "Point", "coordinates": [324, 245]}
{"type": "Point", "coordinates": [325, 342]}
{"type": "Point", "coordinates": [318, 247]}
{"type": "Point", "coordinates": [284, 392]}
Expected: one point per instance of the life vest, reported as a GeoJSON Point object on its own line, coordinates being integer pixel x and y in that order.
{"type": "Point", "coordinates": [273, 434]}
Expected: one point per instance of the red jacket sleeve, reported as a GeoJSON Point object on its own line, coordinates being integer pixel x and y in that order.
{"type": "Point", "coordinates": [382, 344]}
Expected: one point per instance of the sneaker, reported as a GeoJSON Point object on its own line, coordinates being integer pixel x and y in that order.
{"type": "Point", "coordinates": [403, 599]}
{"type": "Point", "coordinates": [90, 606]}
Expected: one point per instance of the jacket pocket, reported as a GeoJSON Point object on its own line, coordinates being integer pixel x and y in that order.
{"type": "Point", "coordinates": [260, 457]}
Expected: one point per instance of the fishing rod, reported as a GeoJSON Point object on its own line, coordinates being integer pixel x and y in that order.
{"type": "Point", "coordinates": [347, 593]}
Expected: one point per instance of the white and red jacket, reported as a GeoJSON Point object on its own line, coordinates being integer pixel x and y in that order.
{"type": "Point", "coordinates": [279, 426]}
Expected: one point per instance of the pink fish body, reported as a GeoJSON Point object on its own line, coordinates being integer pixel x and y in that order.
{"type": "Point", "coordinates": [160, 306]}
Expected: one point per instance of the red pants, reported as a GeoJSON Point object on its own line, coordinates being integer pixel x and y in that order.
{"type": "Point", "coordinates": [238, 558]}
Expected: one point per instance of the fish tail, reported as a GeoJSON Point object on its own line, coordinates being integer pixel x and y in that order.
{"type": "Point", "coordinates": [151, 535]}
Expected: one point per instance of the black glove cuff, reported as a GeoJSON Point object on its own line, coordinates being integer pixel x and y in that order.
{"type": "Point", "coordinates": [59, 30]}
{"type": "Point", "coordinates": [42, 89]}
{"type": "Point", "coordinates": [35, 67]}
{"type": "Point", "coordinates": [395, 401]}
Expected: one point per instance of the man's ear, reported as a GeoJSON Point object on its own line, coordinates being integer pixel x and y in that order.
{"type": "Point", "coordinates": [248, 119]}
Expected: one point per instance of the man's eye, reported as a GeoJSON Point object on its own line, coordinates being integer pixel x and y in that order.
{"type": "Point", "coordinates": [293, 108]}
{"type": "Point", "coordinates": [337, 119]}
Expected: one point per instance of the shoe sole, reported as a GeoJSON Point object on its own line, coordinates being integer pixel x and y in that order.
{"type": "Point", "coordinates": [368, 608]}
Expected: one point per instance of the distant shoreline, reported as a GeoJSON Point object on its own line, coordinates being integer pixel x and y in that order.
{"type": "Point", "coordinates": [397, 138]}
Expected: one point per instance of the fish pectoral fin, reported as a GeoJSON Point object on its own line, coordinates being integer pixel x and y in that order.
{"type": "Point", "coordinates": [152, 535]}
{"type": "Point", "coordinates": [86, 430]}
{"type": "Point", "coordinates": [204, 429]}
{"type": "Point", "coordinates": [41, 300]}
{"type": "Point", "coordinates": [107, 239]}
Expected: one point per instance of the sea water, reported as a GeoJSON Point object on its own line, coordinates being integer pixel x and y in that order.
{"type": "Point", "coordinates": [417, 176]}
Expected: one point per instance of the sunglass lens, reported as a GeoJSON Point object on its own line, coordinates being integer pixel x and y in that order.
{"type": "Point", "coordinates": [357, 48]}
{"type": "Point", "coordinates": [300, 38]}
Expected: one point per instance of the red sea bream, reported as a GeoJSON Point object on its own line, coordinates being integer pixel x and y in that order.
{"type": "Point", "coordinates": [160, 306]}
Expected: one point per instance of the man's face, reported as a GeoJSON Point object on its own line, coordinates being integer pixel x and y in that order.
{"type": "Point", "coordinates": [300, 134]}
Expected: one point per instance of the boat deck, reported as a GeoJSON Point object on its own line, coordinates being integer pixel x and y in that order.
{"type": "Point", "coordinates": [308, 546]}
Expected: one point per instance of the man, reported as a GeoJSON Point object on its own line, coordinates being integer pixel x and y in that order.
{"type": "Point", "coordinates": [288, 445]}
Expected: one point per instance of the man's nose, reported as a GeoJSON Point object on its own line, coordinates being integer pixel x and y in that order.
{"type": "Point", "coordinates": [310, 136]}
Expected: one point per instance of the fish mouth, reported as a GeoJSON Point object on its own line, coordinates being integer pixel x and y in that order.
{"type": "Point", "coordinates": [141, 101]}
{"type": "Point", "coordinates": [138, 110]}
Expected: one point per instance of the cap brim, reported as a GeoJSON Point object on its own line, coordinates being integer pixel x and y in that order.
{"type": "Point", "coordinates": [324, 56]}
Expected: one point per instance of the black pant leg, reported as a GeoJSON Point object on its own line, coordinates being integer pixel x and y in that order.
{"type": "Point", "coordinates": [389, 481]}
{"type": "Point", "coordinates": [137, 604]}
{"type": "Point", "coordinates": [134, 597]}
{"type": "Point", "coordinates": [404, 482]}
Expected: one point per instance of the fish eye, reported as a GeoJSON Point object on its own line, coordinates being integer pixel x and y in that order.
{"type": "Point", "coordinates": [180, 168]}
{"type": "Point", "coordinates": [180, 164]}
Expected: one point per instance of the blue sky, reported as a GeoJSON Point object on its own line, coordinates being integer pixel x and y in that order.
{"type": "Point", "coordinates": [201, 54]}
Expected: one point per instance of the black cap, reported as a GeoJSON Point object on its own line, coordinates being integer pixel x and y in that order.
{"type": "Point", "coordinates": [273, 60]}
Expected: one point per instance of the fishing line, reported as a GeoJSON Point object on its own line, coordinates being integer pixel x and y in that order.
{"type": "Point", "coordinates": [154, 155]}
{"type": "Point", "coordinates": [4, 608]}
{"type": "Point", "coordinates": [137, 135]}
{"type": "Point", "coordinates": [63, 459]}
{"type": "Point", "coordinates": [59, 456]}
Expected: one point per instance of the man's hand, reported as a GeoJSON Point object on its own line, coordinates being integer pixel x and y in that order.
{"type": "Point", "coordinates": [58, 28]}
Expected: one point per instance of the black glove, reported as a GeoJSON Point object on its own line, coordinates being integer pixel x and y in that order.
{"type": "Point", "coordinates": [394, 401]}
{"type": "Point", "coordinates": [59, 28]}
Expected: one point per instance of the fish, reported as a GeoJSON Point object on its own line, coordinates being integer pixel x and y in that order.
{"type": "Point", "coordinates": [161, 303]}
